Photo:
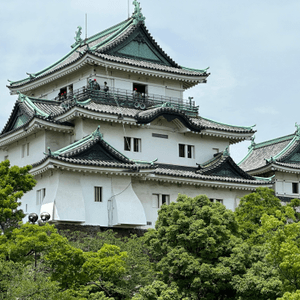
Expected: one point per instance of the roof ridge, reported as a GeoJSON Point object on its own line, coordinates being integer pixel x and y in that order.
{"type": "Point", "coordinates": [274, 141]}
{"type": "Point", "coordinates": [118, 32]}
{"type": "Point", "coordinates": [104, 32]}
{"type": "Point", "coordinates": [245, 127]}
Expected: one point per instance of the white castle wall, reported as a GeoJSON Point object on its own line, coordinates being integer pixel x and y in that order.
{"type": "Point", "coordinates": [73, 195]}
{"type": "Point", "coordinates": [166, 150]}
{"type": "Point", "coordinates": [36, 143]}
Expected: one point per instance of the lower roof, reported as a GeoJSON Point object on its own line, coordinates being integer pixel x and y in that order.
{"type": "Point", "coordinates": [94, 151]}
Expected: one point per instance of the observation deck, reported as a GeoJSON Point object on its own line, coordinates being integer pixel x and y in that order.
{"type": "Point", "coordinates": [127, 98]}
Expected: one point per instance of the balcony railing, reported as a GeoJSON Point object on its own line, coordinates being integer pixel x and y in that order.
{"type": "Point", "coordinates": [126, 98]}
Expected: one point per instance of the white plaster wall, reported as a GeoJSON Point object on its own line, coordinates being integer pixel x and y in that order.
{"type": "Point", "coordinates": [57, 140]}
{"type": "Point", "coordinates": [166, 150]}
{"type": "Point", "coordinates": [283, 184]}
{"type": "Point", "coordinates": [67, 189]}
{"type": "Point", "coordinates": [36, 147]}
{"type": "Point", "coordinates": [145, 189]}
{"type": "Point", "coordinates": [48, 181]}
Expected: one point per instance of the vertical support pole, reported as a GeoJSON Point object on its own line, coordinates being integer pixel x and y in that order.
{"type": "Point", "coordinates": [86, 26]}
{"type": "Point", "coordinates": [128, 9]}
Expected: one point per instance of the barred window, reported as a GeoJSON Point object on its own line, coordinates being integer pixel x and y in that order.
{"type": "Point", "coordinates": [98, 193]}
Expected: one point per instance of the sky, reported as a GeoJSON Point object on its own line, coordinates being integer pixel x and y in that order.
{"type": "Point", "coordinates": [251, 47]}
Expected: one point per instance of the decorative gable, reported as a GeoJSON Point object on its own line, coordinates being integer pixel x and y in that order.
{"type": "Point", "coordinates": [20, 120]}
{"type": "Point", "coordinates": [97, 152]}
{"type": "Point", "coordinates": [140, 46]}
{"type": "Point", "coordinates": [293, 157]}
{"type": "Point", "coordinates": [224, 166]}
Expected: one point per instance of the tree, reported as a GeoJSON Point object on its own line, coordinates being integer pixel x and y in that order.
{"type": "Point", "coordinates": [283, 244]}
{"type": "Point", "coordinates": [192, 246]}
{"type": "Point", "coordinates": [251, 208]}
{"type": "Point", "coordinates": [14, 182]}
{"type": "Point", "coordinates": [159, 290]}
{"type": "Point", "coordinates": [138, 270]}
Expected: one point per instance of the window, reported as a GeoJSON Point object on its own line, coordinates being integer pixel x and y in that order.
{"type": "Point", "coordinates": [295, 187]}
{"type": "Point", "coordinates": [181, 150]}
{"type": "Point", "coordinates": [140, 88]}
{"type": "Point", "coordinates": [190, 151]}
{"type": "Point", "coordinates": [186, 151]}
{"type": "Point", "coordinates": [165, 199]}
{"type": "Point", "coordinates": [127, 143]}
{"type": "Point", "coordinates": [40, 196]}
{"type": "Point", "coordinates": [25, 150]}
{"type": "Point", "coordinates": [216, 200]}
{"type": "Point", "coordinates": [98, 193]}
{"type": "Point", "coordinates": [134, 144]}
{"type": "Point", "coordinates": [159, 199]}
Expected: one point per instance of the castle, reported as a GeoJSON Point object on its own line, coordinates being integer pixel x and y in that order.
{"type": "Point", "coordinates": [110, 137]}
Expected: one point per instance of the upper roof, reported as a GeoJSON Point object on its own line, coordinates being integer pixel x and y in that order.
{"type": "Point", "coordinates": [128, 42]}
{"type": "Point", "coordinates": [281, 152]}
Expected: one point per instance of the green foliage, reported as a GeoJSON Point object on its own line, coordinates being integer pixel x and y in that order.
{"type": "Point", "coordinates": [159, 290]}
{"type": "Point", "coordinates": [27, 243]}
{"type": "Point", "coordinates": [251, 208]}
{"type": "Point", "coordinates": [283, 244]}
{"type": "Point", "coordinates": [291, 296]}
{"type": "Point", "coordinates": [138, 269]}
{"type": "Point", "coordinates": [14, 182]}
{"type": "Point", "coordinates": [191, 238]}
{"type": "Point", "coordinates": [260, 280]}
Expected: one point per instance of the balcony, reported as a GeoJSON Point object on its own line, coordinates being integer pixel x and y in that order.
{"type": "Point", "coordinates": [130, 99]}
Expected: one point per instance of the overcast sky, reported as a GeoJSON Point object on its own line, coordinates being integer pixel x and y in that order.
{"type": "Point", "coordinates": [251, 47]}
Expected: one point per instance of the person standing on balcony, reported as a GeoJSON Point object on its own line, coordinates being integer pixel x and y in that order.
{"type": "Point", "coordinates": [96, 85]}
{"type": "Point", "coordinates": [106, 88]}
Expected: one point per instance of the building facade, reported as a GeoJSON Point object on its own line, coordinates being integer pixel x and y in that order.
{"type": "Point", "coordinates": [278, 158]}
{"type": "Point", "coordinates": [110, 137]}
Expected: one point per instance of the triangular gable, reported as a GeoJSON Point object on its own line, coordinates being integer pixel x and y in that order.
{"type": "Point", "coordinates": [224, 166]}
{"type": "Point", "coordinates": [97, 151]}
{"type": "Point", "coordinates": [18, 118]}
{"type": "Point", "coordinates": [293, 156]}
{"type": "Point", "coordinates": [141, 46]}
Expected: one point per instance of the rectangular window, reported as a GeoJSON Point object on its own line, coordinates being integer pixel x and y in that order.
{"type": "Point", "coordinates": [216, 200]}
{"type": "Point", "coordinates": [159, 199]}
{"type": "Point", "coordinates": [190, 151]}
{"type": "Point", "coordinates": [136, 145]}
{"type": "Point", "coordinates": [127, 143]}
{"type": "Point", "coordinates": [181, 150]}
{"type": "Point", "coordinates": [295, 187]}
{"type": "Point", "coordinates": [186, 151]}
{"type": "Point", "coordinates": [165, 199]}
{"type": "Point", "coordinates": [98, 193]}
{"type": "Point", "coordinates": [155, 200]}
{"type": "Point", "coordinates": [40, 195]}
